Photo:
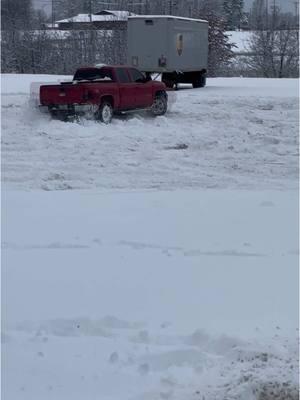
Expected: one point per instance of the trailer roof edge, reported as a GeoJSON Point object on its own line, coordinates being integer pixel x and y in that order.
{"type": "Point", "coordinates": [166, 17]}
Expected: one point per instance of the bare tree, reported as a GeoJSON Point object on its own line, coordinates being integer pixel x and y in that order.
{"type": "Point", "coordinates": [234, 13]}
{"type": "Point", "coordinates": [259, 15]}
{"type": "Point", "coordinates": [275, 50]}
{"type": "Point", "coordinates": [16, 14]}
{"type": "Point", "coordinates": [275, 54]}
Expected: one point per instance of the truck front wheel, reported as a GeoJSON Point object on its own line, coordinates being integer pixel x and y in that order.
{"type": "Point", "coordinates": [160, 104]}
{"type": "Point", "coordinates": [105, 112]}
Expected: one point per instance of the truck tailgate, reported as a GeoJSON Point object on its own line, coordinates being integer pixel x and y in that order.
{"type": "Point", "coordinates": [61, 94]}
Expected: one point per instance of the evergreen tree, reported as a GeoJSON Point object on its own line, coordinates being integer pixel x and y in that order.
{"type": "Point", "coordinates": [219, 48]}
{"type": "Point", "coordinates": [233, 12]}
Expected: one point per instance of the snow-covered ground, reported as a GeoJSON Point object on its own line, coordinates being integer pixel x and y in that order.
{"type": "Point", "coordinates": [241, 40]}
{"type": "Point", "coordinates": [239, 133]}
{"type": "Point", "coordinates": [168, 271]}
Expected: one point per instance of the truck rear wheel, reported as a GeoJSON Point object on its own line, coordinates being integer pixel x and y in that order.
{"type": "Point", "coordinates": [160, 104]}
{"type": "Point", "coordinates": [105, 112]}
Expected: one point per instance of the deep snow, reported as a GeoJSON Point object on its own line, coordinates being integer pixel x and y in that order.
{"type": "Point", "coordinates": [149, 295]}
{"type": "Point", "coordinates": [131, 291]}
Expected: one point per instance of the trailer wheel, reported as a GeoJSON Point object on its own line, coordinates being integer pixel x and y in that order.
{"type": "Point", "coordinates": [200, 82]}
{"type": "Point", "coordinates": [105, 112]}
{"type": "Point", "coordinates": [160, 104]}
{"type": "Point", "coordinates": [169, 84]}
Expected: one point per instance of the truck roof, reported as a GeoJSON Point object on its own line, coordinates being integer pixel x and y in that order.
{"type": "Point", "coordinates": [167, 17]}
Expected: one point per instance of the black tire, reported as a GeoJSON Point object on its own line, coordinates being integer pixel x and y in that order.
{"type": "Point", "coordinates": [169, 84]}
{"type": "Point", "coordinates": [203, 80]}
{"type": "Point", "coordinates": [105, 112]}
{"type": "Point", "coordinates": [160, 104]}
{"type": "Point", "coordinates": [200, 82]}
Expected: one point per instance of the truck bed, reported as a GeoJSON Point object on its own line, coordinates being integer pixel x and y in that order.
{"type": "Point", "coordinates": [73, 93]}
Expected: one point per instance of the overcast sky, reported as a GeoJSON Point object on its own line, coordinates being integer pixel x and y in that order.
{"type": "Point", "coordinates": [286, 5]}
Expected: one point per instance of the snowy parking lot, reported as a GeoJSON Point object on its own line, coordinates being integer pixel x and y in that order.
{"type": "Point", "coordinates": [153, 258]}
{"type": "Point", "coordinates": [235, 133]}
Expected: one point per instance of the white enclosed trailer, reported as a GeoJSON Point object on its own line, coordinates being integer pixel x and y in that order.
{"type": "Point", "coordinates": [173, 46]}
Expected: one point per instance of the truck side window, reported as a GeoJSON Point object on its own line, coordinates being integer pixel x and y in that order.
{"type": "Point", "coordinates": [106, 75]}
{"type": "Point", "coordinates": [122, 75]}
{"type": "Point", "coordinates": [136, 75]}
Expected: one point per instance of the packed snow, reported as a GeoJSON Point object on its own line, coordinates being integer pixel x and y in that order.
{"type": "Point", "coordinates": [153, 258]}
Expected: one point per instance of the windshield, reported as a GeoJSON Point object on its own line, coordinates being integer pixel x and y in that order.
{"type": "Point", "coordinates": [92, 74]}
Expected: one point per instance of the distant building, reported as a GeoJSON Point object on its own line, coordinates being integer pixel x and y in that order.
{"type": "Point", "coordinates": [103, 20]}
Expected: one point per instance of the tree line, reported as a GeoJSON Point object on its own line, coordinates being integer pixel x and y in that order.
{"type": "Point", "coordinates": [28, 47]}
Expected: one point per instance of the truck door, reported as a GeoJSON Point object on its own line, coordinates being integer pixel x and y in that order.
{"type": "Point", "coordinates": [143, 89]}
{"type": "Point", "coordinates": [127, 89]}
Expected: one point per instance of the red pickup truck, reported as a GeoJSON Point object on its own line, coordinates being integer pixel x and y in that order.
{"type": "Point", "coordinates": [105, 90]}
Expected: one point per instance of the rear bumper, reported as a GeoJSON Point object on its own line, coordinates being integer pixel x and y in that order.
{"type": "Point", "coordinates": [70, 108]}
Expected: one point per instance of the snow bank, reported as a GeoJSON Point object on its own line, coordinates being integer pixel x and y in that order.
{"type": "Point", "coordinates": [156, 295]}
